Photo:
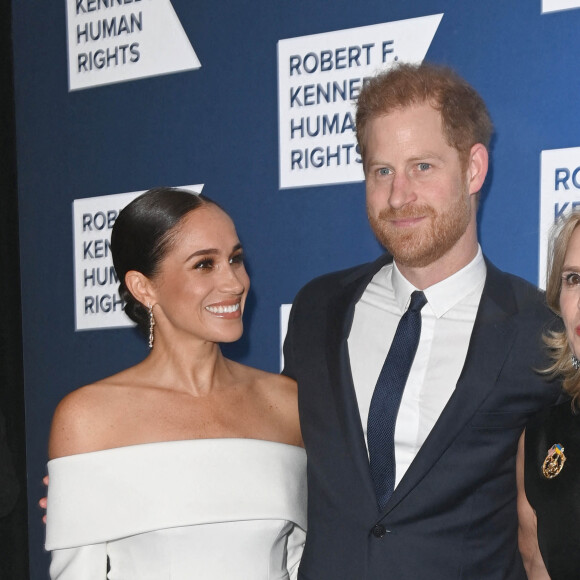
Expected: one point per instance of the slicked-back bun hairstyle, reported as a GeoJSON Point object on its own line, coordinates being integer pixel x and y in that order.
{"type": "Point", "coordinates": [143, 233]}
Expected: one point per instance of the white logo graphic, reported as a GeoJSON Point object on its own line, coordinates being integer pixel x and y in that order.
{"type": "Point", "coordinates": [319, 78]}
{"type": "Point", "coordinates": [559, 195]}
{"type": "Point", "coordinates": [112, 42]}
{"type": "Point", "coordinates": [555, 5]}
{"type": "Point", "coordinates": [97, 300]}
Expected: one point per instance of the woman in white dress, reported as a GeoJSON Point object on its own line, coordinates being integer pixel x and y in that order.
{"type": "Point", "coordinates": [188, 465]}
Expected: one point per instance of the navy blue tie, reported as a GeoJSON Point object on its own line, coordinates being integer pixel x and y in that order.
{"type": "Point", "coordinates": [387, 399]}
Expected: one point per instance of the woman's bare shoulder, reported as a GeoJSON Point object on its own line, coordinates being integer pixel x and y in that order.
{"type": "Point", "coordinates": [284, 387]}
{"type": "Point", "coordinates": [84, 416]}
{"type": "Point", "coordinates": [274, 383]}
{"type": "Point", "coordinates": [279, 396]}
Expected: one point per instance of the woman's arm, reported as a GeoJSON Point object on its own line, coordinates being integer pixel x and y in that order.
{"type": "Point", "coordinates": [73, 432]}
{"type": "Point", "coordinates": [83, 563]}
{"type": "Point", "coordinates": [76, 423]}
{"type": "Point", "coordinates": [295, 548]}
{"type": "Point", "coordinates": [528, 528]}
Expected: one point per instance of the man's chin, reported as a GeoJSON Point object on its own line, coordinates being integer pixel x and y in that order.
{"type": "Point", "coordinates": [410, 252]}
{"type": "Point", "coordinates": [415, 261]}
{"type": "Point", "coordinates": [404, 247]}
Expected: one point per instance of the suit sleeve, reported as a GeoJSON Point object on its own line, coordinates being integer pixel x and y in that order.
{"type": "Point", "coordinates": [9, 488]}
{"type": "Point", "coordinates": [289, 368]}
{"type": "Point", "coordinates": [82, 563]}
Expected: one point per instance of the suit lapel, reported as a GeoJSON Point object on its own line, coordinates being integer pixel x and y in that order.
{"type": "Point", "coordinates": [341, 312]}
{"type": "Point", "coordinates": [492, 338]}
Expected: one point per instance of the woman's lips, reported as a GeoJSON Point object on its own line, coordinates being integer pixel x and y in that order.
{"type": "Point", "coordinates": [225, 309]}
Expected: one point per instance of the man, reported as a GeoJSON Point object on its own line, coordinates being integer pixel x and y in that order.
{"type": "Point", "coordinates": [423, 135]}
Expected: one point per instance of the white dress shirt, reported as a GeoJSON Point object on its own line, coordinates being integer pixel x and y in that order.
{"type": "Point", "coordinates": [446, 325]}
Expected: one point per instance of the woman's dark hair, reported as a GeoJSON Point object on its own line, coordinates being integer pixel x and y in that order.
{"type": "Point", "coordinates": [142, 235]}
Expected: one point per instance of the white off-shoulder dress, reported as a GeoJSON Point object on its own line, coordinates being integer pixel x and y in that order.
{"type": "Point", "coordinates": [209, 509]}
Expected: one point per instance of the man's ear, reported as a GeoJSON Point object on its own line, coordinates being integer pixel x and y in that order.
{"type": "Point", "coordinates": [477, 167]}
{"type": "Point", "coordinates": [140, 286]}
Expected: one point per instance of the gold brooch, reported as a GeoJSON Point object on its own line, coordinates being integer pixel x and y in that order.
{"type": "Point", "coordinates": [554, 461]}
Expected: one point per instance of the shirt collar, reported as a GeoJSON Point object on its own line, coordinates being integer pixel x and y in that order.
{"type": "Point", "coordinates": [445, 294]}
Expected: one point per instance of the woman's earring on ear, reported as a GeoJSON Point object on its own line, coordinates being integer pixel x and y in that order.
{"type": "Point", "coordinates": [151, 325]}
{"type": "Point", "coordinates": [575, 361]}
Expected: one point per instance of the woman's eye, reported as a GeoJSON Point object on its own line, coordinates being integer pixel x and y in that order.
{"type": "Point", "coordinates": [237, 259]}
{"type": "Point", "coordinates": [203, 265]}
{"type": "Point", "coordinates": [572, 279]}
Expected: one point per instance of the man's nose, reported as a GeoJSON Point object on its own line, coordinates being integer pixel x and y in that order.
{"type": "Point", "coordinates": [401, 190]}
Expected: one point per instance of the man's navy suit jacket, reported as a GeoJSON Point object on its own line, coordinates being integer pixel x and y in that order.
{"type": "Point", "coordinates": [453, 515]}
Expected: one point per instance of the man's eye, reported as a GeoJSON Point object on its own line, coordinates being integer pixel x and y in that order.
{"type": "Point", "coordinates": [384, 171]}
{"type": "Point", "coordinates": [424, 166]}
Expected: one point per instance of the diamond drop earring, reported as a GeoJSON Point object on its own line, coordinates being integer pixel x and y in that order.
{"type": "Point", "coordinates": [152, 324]}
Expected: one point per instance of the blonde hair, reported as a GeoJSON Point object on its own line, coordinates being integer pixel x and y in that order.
{"type": "Point", "coordinates": [557, 341]}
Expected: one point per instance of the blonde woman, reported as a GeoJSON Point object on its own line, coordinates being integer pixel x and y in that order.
{"type": "Point", "coordinates": [549, 452]}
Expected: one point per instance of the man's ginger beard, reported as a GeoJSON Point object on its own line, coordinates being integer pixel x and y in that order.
{"type": "Point", "coordinates": [418, 247]}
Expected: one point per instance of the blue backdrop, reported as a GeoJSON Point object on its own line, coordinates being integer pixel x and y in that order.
{"type": "Point", "coordinates": [218, 125]}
